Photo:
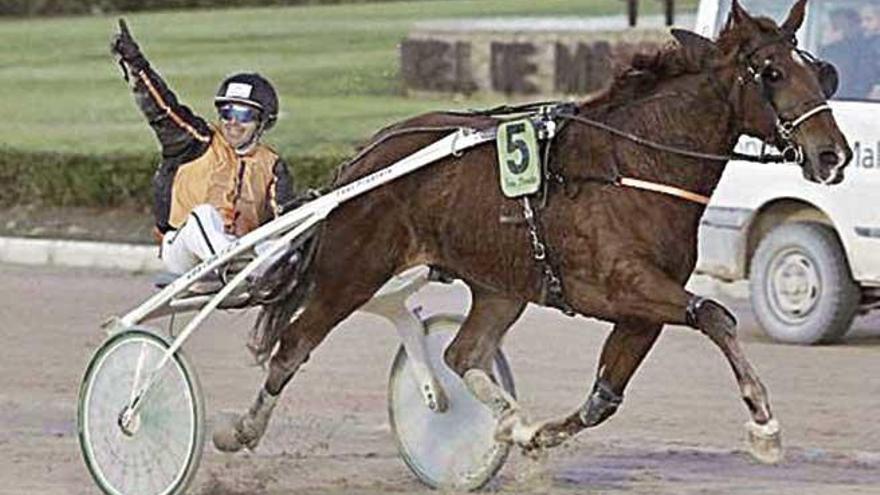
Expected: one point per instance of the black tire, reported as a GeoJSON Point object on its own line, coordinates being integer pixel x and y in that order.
{"type": "Point", "coordinates": [802, 290]}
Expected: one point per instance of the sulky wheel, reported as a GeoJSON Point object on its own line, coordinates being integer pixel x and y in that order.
{"type": "Point", "coordinates": [451, 449]}
{"type": "Point", "coordinates": [158, 450]}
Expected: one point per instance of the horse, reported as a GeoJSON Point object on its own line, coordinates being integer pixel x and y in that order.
{"type": "Point", "coordinates": [632, 169]}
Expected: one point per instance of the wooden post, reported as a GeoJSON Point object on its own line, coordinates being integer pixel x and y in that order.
{"type": "Point", "coordinates": [670, 12]}
{"type": "Point", "coordinates": [632, 9]}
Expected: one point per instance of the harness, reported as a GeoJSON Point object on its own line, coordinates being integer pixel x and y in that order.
{"type": "Point", "coordinates": [549, 117]}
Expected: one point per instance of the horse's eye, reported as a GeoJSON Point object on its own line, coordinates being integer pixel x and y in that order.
{"type": "Point", "coordinates": [772, 74]}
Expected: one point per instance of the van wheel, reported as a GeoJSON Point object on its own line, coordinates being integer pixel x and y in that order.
{"type": "Point", "coordinates": [801, 288]}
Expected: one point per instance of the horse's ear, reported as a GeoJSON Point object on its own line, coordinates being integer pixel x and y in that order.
{"type": "Point", "coordinates": [739, 15]}
{"type": "Point", "coordinates": [699, 47]}
{"type": "Point", "coordinates": [795, 18]}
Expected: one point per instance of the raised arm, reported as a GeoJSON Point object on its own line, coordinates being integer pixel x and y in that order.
{"type": "Point", "coordinates": [182, 134]}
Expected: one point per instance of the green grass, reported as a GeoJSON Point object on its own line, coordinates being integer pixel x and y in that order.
{"type": "Point", "coordinates": [336, 68]}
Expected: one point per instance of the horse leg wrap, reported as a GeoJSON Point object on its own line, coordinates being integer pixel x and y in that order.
{"type": "Point", "coordinates": [499, 402]}
{"type": "Point", "coordinates": [513, 426]}
{"type": "Point", "coordinates": [247, 430]}
{"type": "Point", "coordinates": [709, 316]}
{"type": "Point", "coordinates": [603, 402]}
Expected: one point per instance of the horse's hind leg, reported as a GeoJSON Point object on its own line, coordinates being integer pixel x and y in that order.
{"type": "Point", "coordinates": [472, 351]}
{"type": "Point", "coordinates": [335, 297]}
{"type": "Point", "coordinates": [623, 352]}
{"type": "Point", "coordinates": [480, 335]}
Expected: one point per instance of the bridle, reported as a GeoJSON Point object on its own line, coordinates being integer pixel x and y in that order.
{"type": "Point", "coordinates": [787, 126]}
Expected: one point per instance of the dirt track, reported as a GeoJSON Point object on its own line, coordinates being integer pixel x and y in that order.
{"type": "Point", "coordinates": [680, 429]}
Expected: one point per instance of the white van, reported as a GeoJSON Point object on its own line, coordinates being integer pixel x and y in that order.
{"type": "Point", "coordinates": [811, 252]}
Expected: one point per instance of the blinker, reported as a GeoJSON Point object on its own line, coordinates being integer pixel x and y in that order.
{"type": "Point", "coordinates": [826, 72]}
{"type": "Point", "coordinates": [828, 78]}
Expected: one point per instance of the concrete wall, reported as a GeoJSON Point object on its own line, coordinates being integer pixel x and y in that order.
{"type": "Point", "coordinates": [455, 59]}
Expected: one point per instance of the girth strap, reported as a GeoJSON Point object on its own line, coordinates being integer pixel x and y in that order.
{"type": "Point", "coordinates": [553, 292]}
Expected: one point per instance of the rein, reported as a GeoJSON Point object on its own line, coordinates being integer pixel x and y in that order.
{"type": "Point", "coordinates": [785, 129]}
{"type": "Point", "coordinates": [762, 158]}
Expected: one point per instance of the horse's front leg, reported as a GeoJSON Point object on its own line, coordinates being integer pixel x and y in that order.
{"type": "Point", "coordinates": [658, 298]}
{"type": "Point", "coordinates": [651, 296]}
{"type": "Point", "coordinates": [655, 297]}
{"type": "Point", "coordinates": [623, 352]}
{"type": "Point", "coordinates": [719, 325]}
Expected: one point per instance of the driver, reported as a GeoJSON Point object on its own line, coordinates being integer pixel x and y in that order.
{"type": "Point", "coordinates": [850, 53]}
{"type": "Point", "coordinates": [871, 25]}
{"type": "Point", "coordinates": [216, 181]}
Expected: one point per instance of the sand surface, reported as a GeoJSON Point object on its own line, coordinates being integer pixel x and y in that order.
{"type": "Point", "coordinates": [680, 429]}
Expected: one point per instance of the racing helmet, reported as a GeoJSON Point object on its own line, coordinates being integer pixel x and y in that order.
{"type": "Point", "coordinates": [251, 89]}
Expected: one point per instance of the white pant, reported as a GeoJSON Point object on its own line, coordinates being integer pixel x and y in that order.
{"type": "Point", "coordinates": [198, 239]}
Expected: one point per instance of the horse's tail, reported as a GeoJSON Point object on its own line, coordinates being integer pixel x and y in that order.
{"type": "Point", "coordinates": [282, 292]}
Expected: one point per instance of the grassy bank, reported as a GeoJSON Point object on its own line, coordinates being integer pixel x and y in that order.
{"type": "Point", "coordinates": [336, 68]}
{"type": "Point", "coordinates": [110, 179]}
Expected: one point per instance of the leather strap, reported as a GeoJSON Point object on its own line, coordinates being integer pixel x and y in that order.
{"type": "Point", "coordinates": [663, 189]}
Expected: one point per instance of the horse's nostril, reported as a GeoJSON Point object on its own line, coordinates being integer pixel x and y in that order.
{"type": "Point", "coordinates": [828, 158]}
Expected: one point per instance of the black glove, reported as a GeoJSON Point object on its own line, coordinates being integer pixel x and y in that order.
{"type": "Point", "coordinates": [126, 50]}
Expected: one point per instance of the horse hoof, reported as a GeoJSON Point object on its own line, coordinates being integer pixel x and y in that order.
{"type": "Point", "coordinates": [524, 434]}
{"type": "Point", "coordinates": [765, 441]}
{"type": "Point", "coordinates": [550, 435]}
{"type": "Point", "coordinates": [226, 435]}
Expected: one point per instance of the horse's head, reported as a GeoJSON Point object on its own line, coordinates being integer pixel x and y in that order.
{"type": "Point", "coordinates": [781, 92]}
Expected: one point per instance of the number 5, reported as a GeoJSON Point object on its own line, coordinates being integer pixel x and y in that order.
{"type": "Point", "coordinates": [516, 142]}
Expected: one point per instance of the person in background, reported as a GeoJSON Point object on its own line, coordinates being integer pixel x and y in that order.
{"type": "Point", "coordinates": [871, 27]}
{"type": "Point", "coordinates": [847, 52]}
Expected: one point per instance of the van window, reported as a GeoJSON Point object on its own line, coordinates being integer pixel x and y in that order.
{"type": "Point", "coordinates": [848, 35]}
{"type": "Point", "coordinates": [844, 32]}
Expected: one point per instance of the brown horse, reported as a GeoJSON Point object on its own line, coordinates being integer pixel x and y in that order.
{"type": "Point", "coordinates": [622, 254]}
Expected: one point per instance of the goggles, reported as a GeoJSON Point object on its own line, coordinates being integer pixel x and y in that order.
{"type": "Point", "coordinates": [240, 113]}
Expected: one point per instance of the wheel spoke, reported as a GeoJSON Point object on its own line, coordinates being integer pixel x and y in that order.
{"type": "Point", "coordinates": [156, 453]}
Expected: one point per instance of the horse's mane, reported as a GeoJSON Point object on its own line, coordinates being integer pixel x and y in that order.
{"type": "Point", "coordinates": [646, 71]}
